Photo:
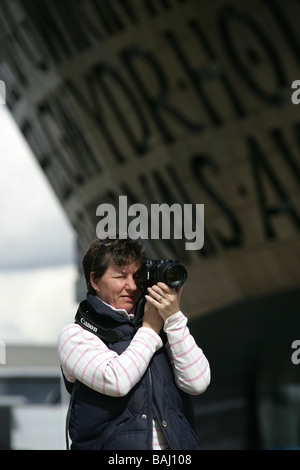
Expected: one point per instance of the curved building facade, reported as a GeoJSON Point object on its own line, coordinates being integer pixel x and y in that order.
{"type": "Point", "coordinates": [181, 102]}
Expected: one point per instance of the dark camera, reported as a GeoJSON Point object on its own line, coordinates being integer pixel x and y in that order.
{"type": "Point", "coordinates": [168, 271]}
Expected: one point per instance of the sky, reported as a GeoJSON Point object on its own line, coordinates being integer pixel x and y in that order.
{"type": "Point", "coordinates": [37, 247]}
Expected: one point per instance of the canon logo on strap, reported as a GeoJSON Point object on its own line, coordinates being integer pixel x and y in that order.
{"type": "Point", "coordinates": [88, 325]}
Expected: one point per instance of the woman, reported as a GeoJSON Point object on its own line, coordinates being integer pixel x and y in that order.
{"type": "Point", "coordinates": [133, 381]}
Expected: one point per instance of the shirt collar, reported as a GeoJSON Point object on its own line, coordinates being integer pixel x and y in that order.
{"type": "Point", "coordinates": [121, 311]}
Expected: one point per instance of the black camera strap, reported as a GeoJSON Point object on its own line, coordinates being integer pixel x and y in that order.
{"type": "Point", "coordinates": [88, 320]}
{"type": "Point", "coordinates": [68, 417]}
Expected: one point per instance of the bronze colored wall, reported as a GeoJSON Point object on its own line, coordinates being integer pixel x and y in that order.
{"type": "Point", "coordinates": [169, 101]}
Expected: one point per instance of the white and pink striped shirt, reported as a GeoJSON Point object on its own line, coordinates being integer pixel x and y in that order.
{"type": "Point", "coordinates": [83, 356]}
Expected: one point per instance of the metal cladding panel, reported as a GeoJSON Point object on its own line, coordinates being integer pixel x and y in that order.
{"type": "Point", "coordinates": [183, 102]}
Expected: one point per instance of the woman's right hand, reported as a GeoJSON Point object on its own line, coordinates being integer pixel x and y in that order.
{"type": "Point", "coordinates": [152, 319]}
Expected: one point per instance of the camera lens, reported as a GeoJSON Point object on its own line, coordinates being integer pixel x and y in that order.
{"type": "Point", "coordinates": [175, 276]}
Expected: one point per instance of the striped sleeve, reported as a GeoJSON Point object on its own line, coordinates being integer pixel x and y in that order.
{"type": "Point", "coordinates": [83, 356]}
{"type": "Point", "coordinates": [191, 367]}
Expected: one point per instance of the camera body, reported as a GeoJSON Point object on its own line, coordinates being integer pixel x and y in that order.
{"type": "Point", "coordinates": [153, 271]}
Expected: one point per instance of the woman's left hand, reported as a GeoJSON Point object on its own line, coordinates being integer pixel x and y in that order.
{"type": "Point", "coordinates": [165, 299]}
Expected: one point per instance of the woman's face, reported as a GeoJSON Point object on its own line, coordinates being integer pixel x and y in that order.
{"type": "Point", "coordinates": [117, 286]}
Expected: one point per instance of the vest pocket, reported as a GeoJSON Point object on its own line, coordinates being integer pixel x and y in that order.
{"type": "Point", "coordinates": [113, 430]}
{"type": "Point", "coordinates": [188, 435]}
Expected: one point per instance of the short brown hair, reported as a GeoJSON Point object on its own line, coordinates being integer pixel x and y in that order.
{"type": "Point", "coordinates": [102, 252]}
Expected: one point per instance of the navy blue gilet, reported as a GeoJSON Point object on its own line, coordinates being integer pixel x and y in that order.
{"type": "Point", "coordinates": [102, 422]}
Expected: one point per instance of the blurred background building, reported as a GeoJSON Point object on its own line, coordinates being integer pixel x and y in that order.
{"type": "Point", "coordinates": [174, 101]}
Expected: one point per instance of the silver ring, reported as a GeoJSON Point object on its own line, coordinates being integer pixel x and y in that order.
{"type": "Point", "coordinates": [160, 299]}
